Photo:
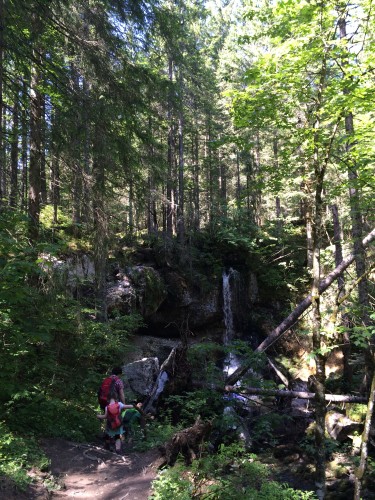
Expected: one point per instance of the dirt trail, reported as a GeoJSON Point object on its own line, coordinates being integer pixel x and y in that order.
{"type": "Point", "coordinates": [90, 472]}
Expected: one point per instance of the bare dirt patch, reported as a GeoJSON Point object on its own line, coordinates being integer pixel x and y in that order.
{"type": "Point", "coordinates": [84, 471]}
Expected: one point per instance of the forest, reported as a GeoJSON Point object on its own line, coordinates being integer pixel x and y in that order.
{"type": "Point", "coordinates": [187, 191]}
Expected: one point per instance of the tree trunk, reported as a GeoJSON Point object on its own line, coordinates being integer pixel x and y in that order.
{"type": "Point", "coordinates": [346, 346]}
{"type": "Point", "coordinates": [257, 194]}
{"type": "Point", "coordinates": [86, 187]}
{"type": "Point", "coordinates": [100, 220]}
{"type": "Point", "coordinates": [131, 209]}
{"type": "Point", "coordinates": [3, 160]}
{"type": "Point", "coordinates": [250, 167]}
{"type": "Point", "coordinates": [169, 206]}
{"type": "Point", "coordinates": [360, 471]}
{"type": "Point", "coordinates": [356, 219]}
{"type": "Point", "coordinates": [209, 168]}
{"type": "Point", "coordinates": [2, 28]}
{"type": "Point", "coordinates": [238, 180]}
{"type": "Point", "coordinates": [306, 215]}
{"type": "Point", "coordinates": [75, 155]}
{"type": "Point", "coordinates": [309, 234]}
{"type": "Point", "coordinates": [319, 378]}
{"type": "Point", "coordinates": [279, 223]}
{"type": "Point", "coordinates": [14, 155]}
{"type": "Point", "coordinates": [152, 221]}
{"type": "Point", "coordinates": [43, 171]}
{"type": "Point", "coordinates": [35, 141]}
{"type": "Point", "coordinates": [55, 169]}
{"type": "Point", "coordinates": [180, 206]}
{"type": "Point", "coordinates": [355, 206]}
{"type": "Point", "coordinates": [196, 194]}
{"type": "Point", "coordinates": [334, 398]}
{"type": "Point", "coordinates": [25, 130]}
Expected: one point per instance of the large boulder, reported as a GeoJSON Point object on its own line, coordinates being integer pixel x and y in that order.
{"type": "Point", "coordinates": [341, 427]}
{"type": "Point", "coordinates": [69, 272]}
{"type": "Point", "coordinates": [121, 296]}
{"type": "Point", "coordinates": [140, 377]}
{"type": "Point", "coordinates": [138, 288]}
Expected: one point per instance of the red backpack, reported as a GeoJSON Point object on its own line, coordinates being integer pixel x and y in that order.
{"type": "Point", "coordinates": [114, 416]}
{"type": "Point", "coordinates": [105, 389]}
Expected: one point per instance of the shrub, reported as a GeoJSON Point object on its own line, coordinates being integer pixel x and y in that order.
{"type": "Point", "coordinates": [38, 414]}
{"type": "Point", "coordinates": [228, 475]}
{"type": "Point", "coordinates": [17, 454]}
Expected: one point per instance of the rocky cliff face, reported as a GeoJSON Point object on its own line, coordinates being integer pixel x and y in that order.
{"type": "Point", "coordinates": [173, 307]}
{"type": "Point", "coordinates": [168, 303]}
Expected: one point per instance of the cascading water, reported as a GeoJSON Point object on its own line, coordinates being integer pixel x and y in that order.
{"type": "Point", "coordinates": [231, 361]}
{"type": "Point", "coordinates": [227, 307]}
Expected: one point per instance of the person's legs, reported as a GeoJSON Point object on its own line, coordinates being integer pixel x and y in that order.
{"type": "Point", "coordinates": [107, 442]}
{"type": "Point", "coordinates": [118, 444]}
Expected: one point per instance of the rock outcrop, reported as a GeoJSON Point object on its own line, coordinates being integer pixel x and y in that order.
{"type": "Point", "coordinates": [139, 377]}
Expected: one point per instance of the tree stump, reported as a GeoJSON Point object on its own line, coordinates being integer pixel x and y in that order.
{"type": "Point", "coordinates": [188, 442]}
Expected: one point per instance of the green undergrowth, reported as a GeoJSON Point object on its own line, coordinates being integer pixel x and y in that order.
{"type": "Point", "coordinates": [39, 414]}
{"type": "Point", "coordinates": [157, 434]}
{"type": "Point", "coordinates": [232, 473]}
{"type": "Point", "coordinates": [18, 454]}
{"type": "Point", "coordinates": [31, 415]}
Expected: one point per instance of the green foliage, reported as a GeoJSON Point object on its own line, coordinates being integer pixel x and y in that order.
{"type": "Point", "coordinates": [101, 343]}
{"type": "Point", "coordinates": [308, 445]}
{"type": "Point", "coordinates": [203, 358]}
{"type": "Point", "coordinates": [172, 484]}
{"type": "Point", "coordinates": [236, 233]}
{"type": "Point", "coordinates": [47, 217]}
{"type": "Point", "coordinates": [356, 412]}
{"type": "Point", "coordinates": [63, 232]}
{"type": "Point", "coordinates": [40, 414]}
{"type": "Point", "coordinates": [263, 429]}
{"type": "Point", "coordinates": [186, 407]}
{"type": "Point", "coordinates": [360, 335]}
{"type": "Point", "coordinates": [230, 474]}
{"type": "Point", "coordinates": [18, 454]}
{"type": "Point", "coordinates": [55, 352]}
{"type": "Point", "coordinates": [157, 434]}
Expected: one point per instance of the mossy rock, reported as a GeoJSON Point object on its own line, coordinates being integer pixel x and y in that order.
{"type": "Point", "coordinates": [337, 469]}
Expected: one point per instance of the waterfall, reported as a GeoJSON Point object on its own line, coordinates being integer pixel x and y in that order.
{"type": "Point", "coordinates": [231, 361]}
{"type": "Point", "coordinates": [227, 307]}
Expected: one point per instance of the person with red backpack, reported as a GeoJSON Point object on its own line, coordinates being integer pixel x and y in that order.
{"type": "Point", "coordinates": [111, 384]}
{"type": "Point", "coordinates": [114, 428]}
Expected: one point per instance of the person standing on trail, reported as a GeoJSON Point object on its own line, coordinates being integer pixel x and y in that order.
{"type": "Point", "coordinates": [112, 385]}
{"type": "Point", "coordinates": [114, 428]}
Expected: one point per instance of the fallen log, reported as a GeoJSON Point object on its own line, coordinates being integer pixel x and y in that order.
{"type": "Point", "coordinates": [334, 398]}
{"type": "Point", "coordinates": [299, 310]}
